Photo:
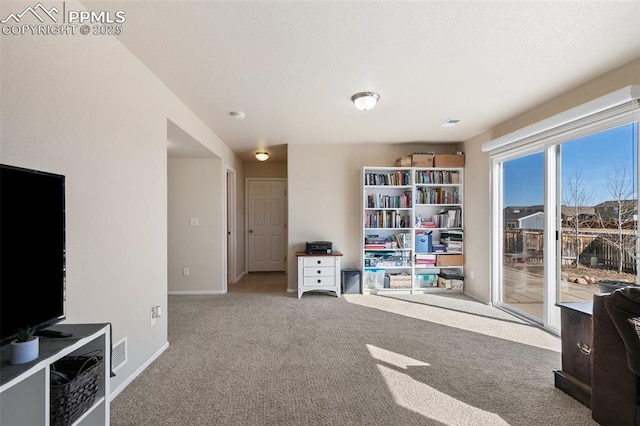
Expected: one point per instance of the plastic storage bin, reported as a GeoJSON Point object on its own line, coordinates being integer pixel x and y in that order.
{"type": "Point", "coordinates": [426, 280]}
{"type": "Point", "coordinates": [351, 281]}
{"type": "Point", "coordinates": [374, 278]}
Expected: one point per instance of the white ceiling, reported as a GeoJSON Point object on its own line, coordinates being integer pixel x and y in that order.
{"type": "Point", "coordinates": [292, 67]}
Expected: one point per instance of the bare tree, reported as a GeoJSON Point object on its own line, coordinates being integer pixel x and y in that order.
{"type": "Point", "coordinates": [620, 184]}
{"type": "Point", "coordinates": [576, 197]}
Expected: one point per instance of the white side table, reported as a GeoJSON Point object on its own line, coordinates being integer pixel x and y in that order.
{"type": "Point", "coordinates": [318, 272]}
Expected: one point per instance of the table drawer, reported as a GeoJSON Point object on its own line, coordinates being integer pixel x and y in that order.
{"type": "Point", "coordinates": [319, 272]}
{"type": "Point", "coordinates": [318, 261]}
{"type": "Point", "coordinates": [320, 281]}
{"type": "Point", "coordinates": [576, 345]}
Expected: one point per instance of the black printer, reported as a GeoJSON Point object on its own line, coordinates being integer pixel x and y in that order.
{"type": "Point", "coordinates": [319, 247]}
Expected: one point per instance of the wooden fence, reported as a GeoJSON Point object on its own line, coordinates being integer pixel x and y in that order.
{"type": "Point", "coordinates": [526, 246]}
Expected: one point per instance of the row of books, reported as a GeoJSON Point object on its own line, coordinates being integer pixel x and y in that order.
{"type": "Point", "coordinates": [382, 201]}
{"type": "Point", "coordinates": [387, 219]}
{"type": "Point", "coordinates": [402, 239]}
{"type": "Point", "coordinates": [438, 196]}
{"type": "Point", "coordinates": [437, 176]}
{"type": "Point", "coordinates": [451, 218]}
{"type": "Point", "coordinates": [391, 179]}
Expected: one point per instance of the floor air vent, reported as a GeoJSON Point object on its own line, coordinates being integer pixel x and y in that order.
{"type": "Point", "coordinates": [119, 354]}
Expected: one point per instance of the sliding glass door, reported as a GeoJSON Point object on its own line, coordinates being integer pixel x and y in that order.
{"type": "Point", "coordinates": [565, 220]}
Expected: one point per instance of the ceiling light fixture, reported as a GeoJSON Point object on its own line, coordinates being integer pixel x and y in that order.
{"type": "Point", "coordinates": [238, 115]}
{"type": "Point", "coordinates": [365, 100]}
{"type": "Point", "coordinates": [262, 156]}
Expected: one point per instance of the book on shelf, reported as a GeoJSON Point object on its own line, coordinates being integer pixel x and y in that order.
{"type": "Point", "coordinates": [454, 249]}
{"type": "Point", "coordinates": [437, 177]}
{"type": "Point", "coordinates": [453, 245]}
{"type": "Point", "coordinates": [425, 222]}
{"type": "Point", "coordinates": [448, 218]}
{"type": "Point", "coordinates": [387, 219]}
{"type": "Point", "coordinates": [455, 235]}
{"type": "Point", "coordinates": [402, 239]}
{"type": "Point", "coordinates": [439, 248]}
{"type": "Point", "coordinates": [385, 201]}
{"type": "Point", "coordinates": [397, 178]}
{"type": "Point", "coordinates": [425, 259]}
{"type": "Point", "coordinates": [375, 246]}
{"type": "Point", "coordinates": [437, 196]}
{"type": "Point", "coordinates": [452, 274]}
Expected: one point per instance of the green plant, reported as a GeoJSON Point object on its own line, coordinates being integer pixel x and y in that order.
{"type": "Point", "coordinates": [25, 334]}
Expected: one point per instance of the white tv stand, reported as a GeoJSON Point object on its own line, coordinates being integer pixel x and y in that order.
{"type": "Point", "coordinates": [24, 388]}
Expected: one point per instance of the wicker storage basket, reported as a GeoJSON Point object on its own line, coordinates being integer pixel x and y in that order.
{"type": "Point", "coordinates": [74, 386]}
{"type": "Point", "coordinates": [399, 281]}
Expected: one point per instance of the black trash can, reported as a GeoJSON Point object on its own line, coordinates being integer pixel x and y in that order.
{"type": "Point", "coordinates": [351, 281]}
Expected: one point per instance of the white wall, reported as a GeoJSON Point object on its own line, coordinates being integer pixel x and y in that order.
{"type": "Point", "coordinates": [85, 107]}
{"type": "Point", "coordinates": [68, 109]}
{"type": "Point", "coordinates": [265, 169]}
{"type": "Point", "coordinates": [478, 164]}
{"type": "Point", "coordinates": [325, 194]}
{"type": "Point", "coordinates": [193, 186]}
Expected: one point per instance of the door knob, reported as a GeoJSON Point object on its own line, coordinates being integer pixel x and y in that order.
{"type": "Point", "coordinates": [251, 231]}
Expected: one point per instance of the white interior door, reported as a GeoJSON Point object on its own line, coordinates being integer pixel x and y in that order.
{"type": "Point", "coordinates": [266, 224]}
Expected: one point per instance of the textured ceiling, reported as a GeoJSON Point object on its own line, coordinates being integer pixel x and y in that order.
{"type": "Point", "coordinates": [293, 66]}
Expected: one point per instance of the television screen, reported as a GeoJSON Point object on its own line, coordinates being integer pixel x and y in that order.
{"type": "Point", "coordinates": [32, 249]}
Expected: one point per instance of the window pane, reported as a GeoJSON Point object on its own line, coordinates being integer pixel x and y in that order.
{"type": "Point", "coordinates": [523, 231]}
{"type": "Point", "coordinates": [599, 211]}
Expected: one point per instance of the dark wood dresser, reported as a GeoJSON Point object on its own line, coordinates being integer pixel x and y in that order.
{"type": "Point", "coordinates": [576, 336]}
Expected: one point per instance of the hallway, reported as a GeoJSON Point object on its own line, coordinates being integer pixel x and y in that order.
{"type": "Point", "coordinates": [261, 282]}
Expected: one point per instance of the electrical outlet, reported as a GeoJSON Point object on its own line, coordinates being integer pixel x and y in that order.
{"type": "Point", "coordinates": [185, 271]}
{"type": "Point", "coordinates": [194, 221]}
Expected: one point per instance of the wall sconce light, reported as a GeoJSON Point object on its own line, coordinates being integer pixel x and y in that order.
{"type": "Point", "coordinates": [262, 156]}
{"type": "Point", "coordinates": [365, 100]}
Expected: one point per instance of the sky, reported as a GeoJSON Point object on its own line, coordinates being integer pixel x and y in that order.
{"type": "Point", "coordinates": [594, 157]}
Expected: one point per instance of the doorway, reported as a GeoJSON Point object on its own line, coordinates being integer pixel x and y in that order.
{"type": "Point", "coordinates": [266, 225]}
{"type": "Point", "coordinates": [231, 224]}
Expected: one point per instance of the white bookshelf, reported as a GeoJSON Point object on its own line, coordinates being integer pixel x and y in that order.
{"type": "Point", "coordinates": [402, 205]}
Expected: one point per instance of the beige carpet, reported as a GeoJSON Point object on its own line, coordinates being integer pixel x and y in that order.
{"type": "Point", "coordinates": [271, 359]}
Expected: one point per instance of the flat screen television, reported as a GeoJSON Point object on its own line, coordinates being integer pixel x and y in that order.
{"type": "Point", "coordinates": [32, 250]}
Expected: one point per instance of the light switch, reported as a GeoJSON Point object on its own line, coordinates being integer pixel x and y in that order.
{"type": "Point", "coordinates": [194, 221]}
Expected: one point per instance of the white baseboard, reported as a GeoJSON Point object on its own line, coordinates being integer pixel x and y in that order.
{"type": "Point", "coordinates": [194, 293]}
{"type": "Point", "coordinates": [136, 373]}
